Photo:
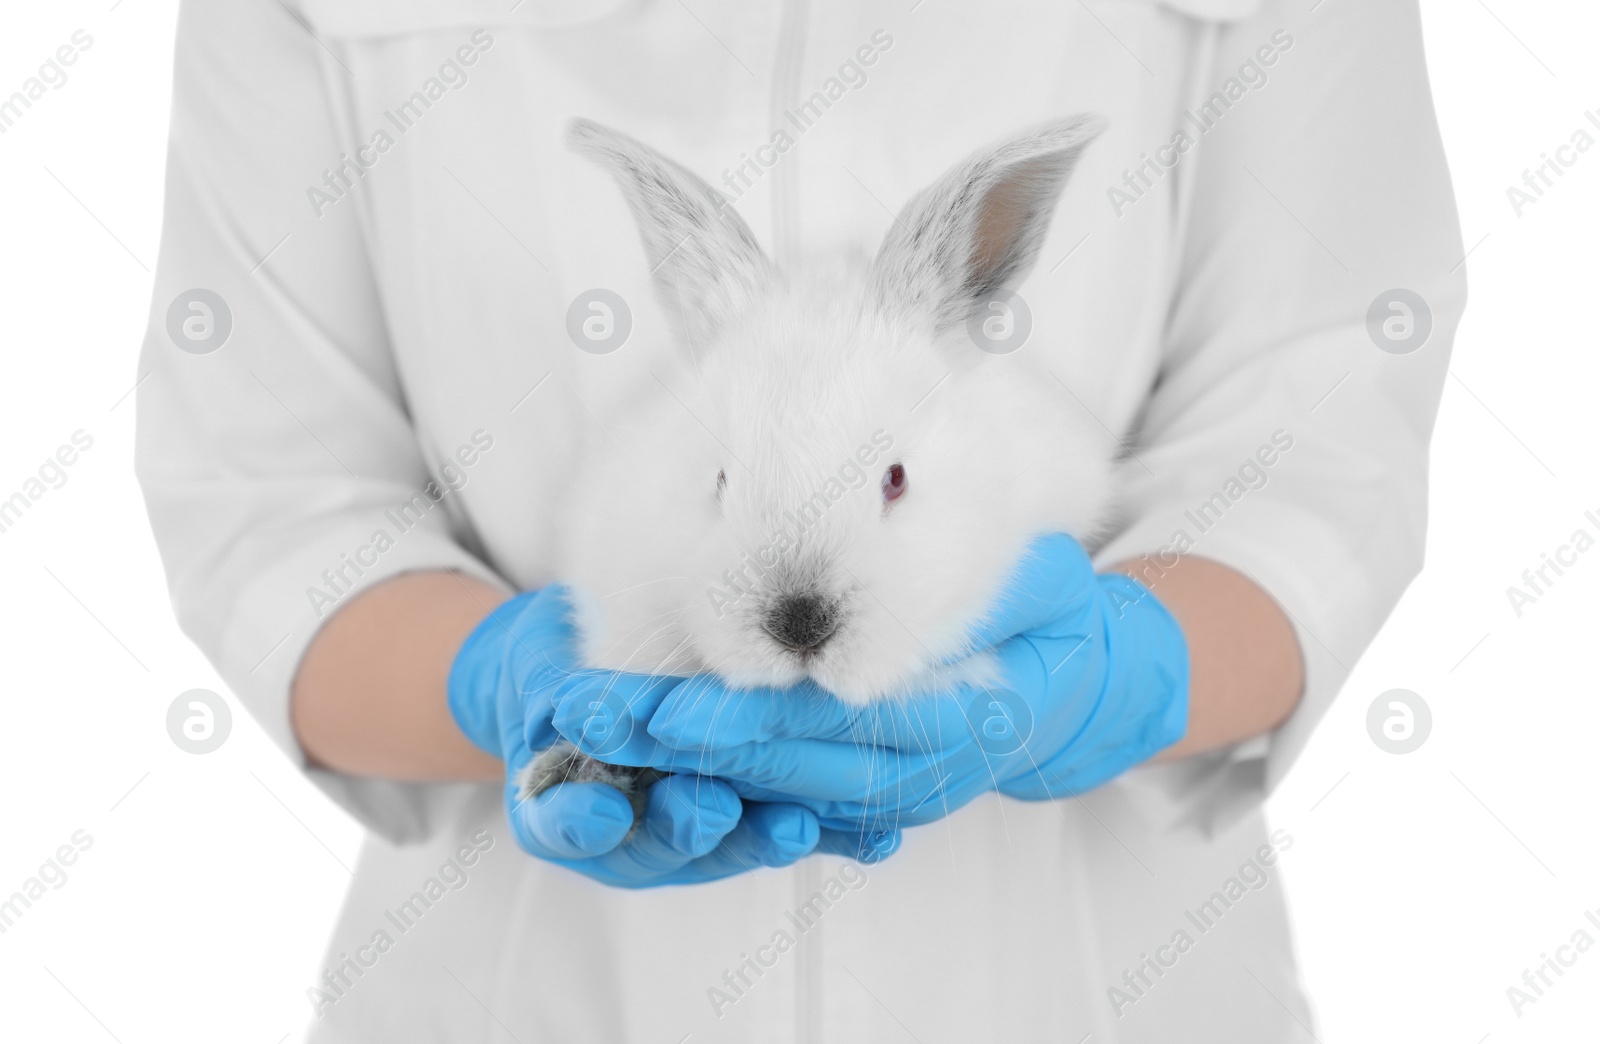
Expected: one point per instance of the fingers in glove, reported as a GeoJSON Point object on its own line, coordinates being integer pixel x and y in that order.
{"type": "Point", "coordinates": [772, 834]}
{"type": "Point", "coordinates": [572, 821]}
{"type": "Point", "coordinates": [704, 712]}
{"type": "Point", "coordinates": [1053, 578]}
{"type": "Point", "coordinates": [685, 817]}
{"type": "Point", "coordinates": [603, 713]}
{"type": "Point", "coordinates": [864, 846]}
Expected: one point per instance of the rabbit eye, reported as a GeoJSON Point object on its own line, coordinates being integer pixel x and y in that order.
{"type": "Point", "coordinates": [894, 483]}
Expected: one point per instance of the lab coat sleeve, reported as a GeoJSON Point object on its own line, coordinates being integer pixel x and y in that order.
{"type": "Point", "coordinates": [268, 462]}
{"type": "Point", "coordinates": [1313, 196]}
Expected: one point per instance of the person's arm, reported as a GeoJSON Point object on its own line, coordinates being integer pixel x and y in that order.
{"type": "Point", "coordinates": [1245, 670]}
{"type": "Point", "coordinates": [369, 698]}
{"type": "Point", "coordinates": [274, 450]}
{"type": "Point", "coordinates": [1280, 439]}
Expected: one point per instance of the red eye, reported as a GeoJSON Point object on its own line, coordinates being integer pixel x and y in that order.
{"type": "Point", "coordinates": [894, 483]}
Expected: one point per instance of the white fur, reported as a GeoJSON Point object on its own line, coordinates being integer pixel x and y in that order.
{"type": "Point", "coordinates": [788, 376]}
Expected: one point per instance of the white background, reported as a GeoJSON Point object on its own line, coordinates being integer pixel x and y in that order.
{"type": "Point", "coordinates": [1421, 885]}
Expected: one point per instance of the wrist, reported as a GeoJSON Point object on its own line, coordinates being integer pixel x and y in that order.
{"type": "Point", "coordinates": [473, 683]}
{"type": "Point", "coordinates": [1131, 701]}
{"type": "Point", "coordinates": [1148, 659]}
{"type": "Point", "coordinates": [369, 695]}
{"type": "Point", "coordinates": [1246, 673]}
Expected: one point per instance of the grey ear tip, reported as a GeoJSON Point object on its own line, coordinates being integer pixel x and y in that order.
{"type": "Point", "coordinates": [1060, 139]}
{"type": "Point", "coordinates": [1094, 123]}
{"type": "Point", "coordinates": [583, 134]}
{"type": "Point", "coordinates": [1080, 128]}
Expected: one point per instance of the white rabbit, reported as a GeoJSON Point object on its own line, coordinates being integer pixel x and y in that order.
{"type": "Point", "coordinates": [837, 481]}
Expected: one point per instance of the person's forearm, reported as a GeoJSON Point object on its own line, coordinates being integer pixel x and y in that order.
{"type": "Point", "coordinates": [1245, 670]}
{"type": "Point", "coordinates": [369, 698]}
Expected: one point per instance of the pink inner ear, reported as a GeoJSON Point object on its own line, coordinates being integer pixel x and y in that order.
{"type": "Point", "coordinates": [1005, 208]}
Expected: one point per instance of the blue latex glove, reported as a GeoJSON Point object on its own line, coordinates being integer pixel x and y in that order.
{"type": "Point", "coordinates": [693, 829]}
{"type": "Point", "coordinates": [1094, 680]}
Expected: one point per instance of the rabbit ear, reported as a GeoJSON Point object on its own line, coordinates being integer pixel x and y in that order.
{"type": "Point", "coordinates": [979, 228]}
{"type": "Point", "coordinates": [705, 261]}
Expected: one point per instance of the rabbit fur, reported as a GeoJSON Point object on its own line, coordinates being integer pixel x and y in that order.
{"type": "Point", "coordinates": [746, 508]}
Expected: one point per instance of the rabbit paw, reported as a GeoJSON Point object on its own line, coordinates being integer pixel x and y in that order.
{"type": "Point", "coordinates": [564, 763]}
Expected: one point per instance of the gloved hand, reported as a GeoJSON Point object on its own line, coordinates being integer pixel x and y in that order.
{"type": "Point", "coordinates": [693, 829]}
{"type": "Point", "coordinates": [1093, 679]}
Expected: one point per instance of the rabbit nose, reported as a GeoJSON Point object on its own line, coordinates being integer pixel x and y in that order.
{"type": "Point", "coordinates": [802, 622]}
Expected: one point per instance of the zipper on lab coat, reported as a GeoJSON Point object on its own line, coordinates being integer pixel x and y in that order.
{"type": "Point", "coordinates": [785, 96]}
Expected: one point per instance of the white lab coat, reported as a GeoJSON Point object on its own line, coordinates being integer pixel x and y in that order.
{"type": "Point", "coordinates": [382, 333]}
